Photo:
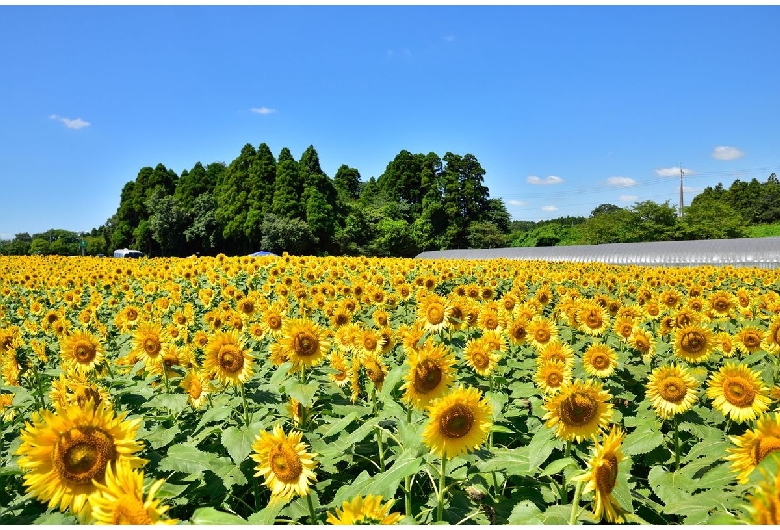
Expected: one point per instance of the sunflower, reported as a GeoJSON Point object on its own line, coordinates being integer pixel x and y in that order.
{"type": "Point", "coordinates": [412, 337]}
{"type": "Point", "coordinates": [272, 320]}
{"type": "Point", "coordinates": [121, 501]}
{"type": "Point", "coordinates": [227, 358]}
{"type": "Point", "coordinates": [765, 501]}
{"type": "Point", "coordinates": [624, 327]}
{"type": "Point", "coordinates": [197, 388]}
{"type": "Point", "coordinates": [643, 342]}
{"type": "Point", "coordinates": [541, 331]}
{"type": "Point", "coordinates": [366, 510]}
{"type": "Point", "coordinates": [430, 374]}
{"type": "Point", "coordinates": [724, 343]}
{"type": "Point", "coordinates": [458, 422]}
{"type": "Point", "coordinates": [338, 362]}
{"type": "Point", "coordinates": [73, 387]}
{"type": "Point", "coordinates": [591, 318]}
{"type": "Point", "coordinates": [771, 341]}
{"type": "Point", "coordinates": [62, 452]}
{"type": "Point", "coordinates": [304, 342]}
{"type": "Point", "coordinates": [81, 350]}
{"type": "Point", "coordinates": [556, 351]}
{"type": "Point", "coordinates": [601, 476]}
{"type": "Point", "coordinates": [580, 410]}
{"type": "Point", "coordinates": [376, 370]}
{"type": "Point", "coordinates": [721, 304]}
{"type": "Point", "coordinates": [371, 341]}
{"type": "Point", "coordinates": [671, 390]}
{"type": "Point", "coordinates": [749, 340]}
{"type": "Point", "coordinates": [433, 312]}
{"type": "Point", "coordinates": [150, 343]}
{"type": "Point", "coordinates": [753, 446]}
{"type": "Point", "coordinates": [738, 392]}
{"type": "Point", "coordinates": [481, 356]}
{"type": "Point", "coordinates": [599, 360]}
{"type": "Point", "coordinates": [552, 375]}
{"type": "Point", "coordinates": [284, 462]}
{"type": "Point", "coordinates": [693, 343]}
{"type": "Point", "coordinates": [517, 331]}
{"type": "Point", "coordinates": [489, 318]}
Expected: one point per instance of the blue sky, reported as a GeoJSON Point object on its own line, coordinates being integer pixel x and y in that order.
{"type": "Point", "coordinates": [565, 107]}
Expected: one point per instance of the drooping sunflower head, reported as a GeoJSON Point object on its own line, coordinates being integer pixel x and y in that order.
{"type": "Point", "coordinates": [752, 447]}
{"type": "Point", "coordinates": [63, 453]}
{"type": "Point", "coordinates": [738, 392]}
{"type": "Point", "coordinates": [693, 344]}
{"type": "Point", "coordinates": [481, 356]}
{"type": "Point", "coordinates": [458, 422]}
{"type": "Point", "coordinates": [81, 350]}
{"type": "Point", "coordinates": [228, 359]}
{"type": "Point", "coordinates": [284, 462]}
{"type": "Point", "coordinates": [552, 375]}
{"type": "Point", "coordinates": [375, 368]}
{"type": "Point", "coordinates": [599, 360]}
{"type": "Point", "coordinates": [430, 374]}
{"type": "Point", "coordinates": [304, 342]}
{"type": "Point", "coordinates": [364, 511]}
{"type": "Point", "coordinates": [579, 411]}
{"type": "Point", "coordinates": [671, 390]}
{"type": "Point", "coordinates": [601, 477]}
{"type": "Point", "coordinates": [121, 500]}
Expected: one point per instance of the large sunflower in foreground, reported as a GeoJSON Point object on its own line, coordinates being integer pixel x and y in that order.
{"type": "Point", "coordinates": [601, 476]}
{"type": "Point", "coordinates": [671, 390]}
{"type": "Point", "coordinates": [121, 499]}
{"type": "Point", "coordinates": [304, 342]}
{"type": "Point", "coordinates": [693, 343]}
{"type": "Point", "coordinates": [753, 446]}
{"type": "Point", "coordinates": [430, 374]}
{"type": "Point", "coordinates": [458, 422]}
{"type": "Point", "coordinates": [63, 452]}
{"type": "Point", "coordinates": [765, 501]}
{"type": "Point", "coordinates": [738, 392]}
{"type": "Point", "coordinates": [580, 410]}
{"type": "Point", "coordinates": [284, 462]}
{"type": "Point", "coordinates": [82, 350]}
{"type": "Point", "coordinates": [227, 358]}
{"type": "Point", "coordinates": [363, 511]}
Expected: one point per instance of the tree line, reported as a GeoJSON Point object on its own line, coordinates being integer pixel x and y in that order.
{"type": "Point", "coordinates": [421, 202]}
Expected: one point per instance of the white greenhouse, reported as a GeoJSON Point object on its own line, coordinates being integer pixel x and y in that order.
{"type": "Point", "coordinates": [762, 253]}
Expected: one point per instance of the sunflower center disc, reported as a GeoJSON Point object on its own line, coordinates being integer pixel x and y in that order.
{"type": "Point", "coordinates": [151, 346]}
{"type": "Point", "coordinates": [752, 340]}
{"type": "Point", "coordinates": [542, 335]}
{"type": "Point", "coordinates": [82, 454]}
{"type": "Point", "coordinates": [285, 463]}
{"type": "Point", "coordinates": [427, 376]}
{"type": "Point", "coordinates": [578, 409]}
{"type": "Point", "coordinates": [480, 360]}
{"type": "Point", "coordinates": [738, 392]}
{"type": "Point", "coordinates": [554, 379]}
{"type": "Point", "coordinates": [600, 362]}
{"type": "Point", "coordinates": [593, 319]}
{"type": "Point", "coordinates": [720, 305]}
{"type": "Point", "coordinates": [230, 359]}
{"type": "Point", "coordinates": [369, 343]}
{"type": "Point", "coordinates": [693, 342]}
{"type": "Point", "coordinates": [435, 314]}
{"type": "Point", "coordinates": [456, 421]}
{"type": "Point", "coordinates": [305, 345]}
{"type": "Point", "coordinates": [274, 322]}
{"type": "Point", "coordinates": [766, 445]}
{"type": "Point", "coordinates": [84, 352]}
{"type": "Point", "coordinates": [130, 510]}
{"type": "Point", "coordinates": [606, 474]}
{"type": "Point", "coordinates": [673, 389]}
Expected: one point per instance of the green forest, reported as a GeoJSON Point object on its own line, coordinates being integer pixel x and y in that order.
{"type": "Point", "coordinates": [421, 202]}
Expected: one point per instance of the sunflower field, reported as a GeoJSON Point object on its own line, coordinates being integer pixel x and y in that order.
{"type": "Point", "coordinates": [348, 390]}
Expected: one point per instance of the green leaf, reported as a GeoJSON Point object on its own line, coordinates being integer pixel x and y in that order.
{"type": "Point", "coordinates": [238, 442]}
{"type": "Point", "coordinates": [716, 479]}
{"type": "Point", "coordinates": [341, 445]}
{"type": "Point", "coordinates": [391, 380]}
{"type": "Point", "coordinates": [304, 393]}
{"type": "Point", "coordinates": [218, 413]}
{"type": "Point", "coordinates": [267, 516]}
{"type": "Point", "coordinates": [384, 484]}
{"type": "Point", "coordinates": [339, 426]}
{"type": "Point", "coordinates": [280, 374]}
{"type": "Point", "coordinates": [161, 436]}
{"type": "Point", "coordinates": [173, 403]}
{"type": "Point", "coordinates": [210, 515]}
{"type": "Point", "coordinates": [186, 459]}
{"type": "Point", "coordinates": [525, 512]}
{"type": "Point", "coordinates": [643, 439]}
{"type": "Point", "coordinates": [670, 486]}
{"type": "Point", "coordinates": [56, 518]}
{"type": "Point", "coordinates": [510, 461]}
{"type": "Point", "coordinates": [556, 466]}
{"type": "Point", "coordinates": [170, 491]}
{"type": "Point", "coordinates": [540, 448]}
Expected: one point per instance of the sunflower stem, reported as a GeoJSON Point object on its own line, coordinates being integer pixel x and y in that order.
{"type": "Point", "coordinates": [575, 507]}
{"type": "Point", "coordinates": [564, 493]}
{"type": "Point", "coordinates": [442, 484]}
{"type": "Point", "coordinates": [312, 516]}
{"type": "Point", "coordinates": [108, 367]}
{"type": "Point", "coordinates": [246, 409]}
{"type": "Point", "coordinates": [408, 496]}
{"type": "Point", "coordinates": [676, 444]}
{"type": "Point", "coordinates": [165, 378]}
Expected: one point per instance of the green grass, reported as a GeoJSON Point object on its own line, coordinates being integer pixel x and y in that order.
{"type": "Point", "coordinates": [769, 230]}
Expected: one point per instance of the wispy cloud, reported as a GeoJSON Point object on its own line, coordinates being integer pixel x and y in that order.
{"type": "Point", "coordinates": [448, 38]}
{"type": "Point", "coordinates": [628, 198]}
{"type": "Point", "coordinates": [515, 202]}
{"type": "Point", "coordinates": [78, 123]}
{"type": "Point", "coordinates": [262, 110]}
{"type": "Point", "coordinates": [691, 189]}
{"type": "Point", "coordinates": [673, 172]}
{"type": "Point", "coordinates": [725, 152]}
{"type": "Point", "coordinates": [552, 179]}
{"type": "Point", "coordinates": [550, 208]}
{"type": "Point", "coordinates": [621, 182]}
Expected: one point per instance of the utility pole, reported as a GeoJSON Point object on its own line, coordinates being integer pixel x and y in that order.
{"type": "Point", "coordinates": [680, 212]}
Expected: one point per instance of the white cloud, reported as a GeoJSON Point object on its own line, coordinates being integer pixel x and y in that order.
{"type": "Point", "coordinates": [515, 202]}
{"type": "Point", "coordinates": [78, 123]}
{"type": "Point", "coordinates": [725, 152]}
{"type": "Point", "coordinates": [552, 179]}
{"type": "Point", "coordinates": [621, 182]}
{"type": "Point", "coordinates": [691, 189]}
{"type": "Point", "coordinates": [628, 198]}
{"type": "Point", "coordinates": [549, 208]}
{"type": "Point", "coordinates": [262, 110]}
{"type": "Point", "coordinates": [673, 172]}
